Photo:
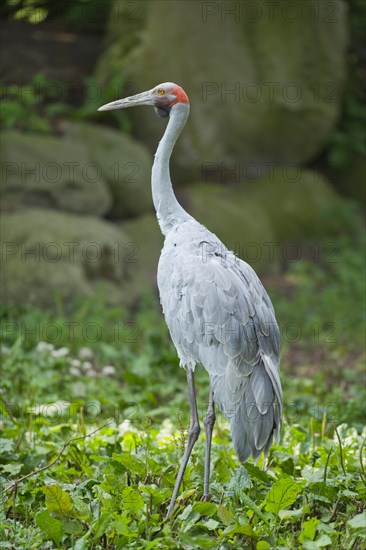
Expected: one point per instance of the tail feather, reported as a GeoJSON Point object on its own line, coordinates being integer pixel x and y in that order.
{"type": "Point", "coordinates": [255, 411]}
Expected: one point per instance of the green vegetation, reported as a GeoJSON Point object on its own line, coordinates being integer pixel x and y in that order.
{"type": "Point", "coordinates": [349, 138]}
{"type": "Point", "coordinates": [95, 416]}
{"type": "Point", "coordinates": [79, 15]}
{"type": "Point", "coordinates": [42, 105]}
{"type": "Point", "coordinates": [94, 405]}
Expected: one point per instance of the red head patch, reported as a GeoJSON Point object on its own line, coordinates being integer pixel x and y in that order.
{"type": "Point", "coordinates": [181, 95]}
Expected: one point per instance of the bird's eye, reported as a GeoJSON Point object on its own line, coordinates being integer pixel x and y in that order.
{"type": "Point", "coordinates": [161, 91]}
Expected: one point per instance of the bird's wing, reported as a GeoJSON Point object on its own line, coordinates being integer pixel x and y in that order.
{"type": "Point", "coordinates": [219, 314]}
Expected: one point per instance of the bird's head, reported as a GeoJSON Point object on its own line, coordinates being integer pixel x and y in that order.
{"type": "Point", "coordinates": [163, 97]}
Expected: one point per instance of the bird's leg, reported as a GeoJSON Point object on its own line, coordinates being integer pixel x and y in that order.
{"type": "Point", "coordinates": [193, 432]}
{"type": "Point", "coordinates": [209, 422]}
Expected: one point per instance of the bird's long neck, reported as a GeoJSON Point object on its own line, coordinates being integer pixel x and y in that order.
{"type": "Point", "coordinates": [168, 210]}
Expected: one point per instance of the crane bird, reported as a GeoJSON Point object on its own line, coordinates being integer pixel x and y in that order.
{"type": "Point", "coordinates": [217, 310]}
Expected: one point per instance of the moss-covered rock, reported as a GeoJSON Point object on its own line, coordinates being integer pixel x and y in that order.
{"type": "Point", "coordinates": [350, 180]}
{"type": "Point", "coordinates": [124, 164]}
{"type": "Point", "coordinates": [53, 173]}
{"type": "Point", "coordinates": [236, 220]}
{"type": "Point", "coordinates": [147, 242]}
{"type": "Point", "coordinates": [300, 204]}
{"type": "Point", "coordinates": [269, 91]}
{"type": "Point", "coordinates": [281, 216]}
{"type": "Point", "coordinates": [47, 253]}
{"type": "Point", "coordinates": [89, 170]}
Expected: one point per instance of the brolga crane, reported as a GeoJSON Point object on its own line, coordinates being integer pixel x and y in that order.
{"type": "Point", "coordinates": [217, 311]}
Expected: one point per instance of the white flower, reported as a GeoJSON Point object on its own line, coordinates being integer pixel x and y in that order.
{"type": "Point", "coordinates": [75, 363]}
{"type": "Point", "coordinates": [126, 426]}
{"type": "Point", "coordinates": [60, 352]}
{"type": "Point", "coordinates": [109, 370]}
{"type": "Point", "coordinates": [44, 346]}
{"type": "Point", "coordinates": [86, 365]}
{"type": "Point", "coordinates": [92, 373]}
{"type": "Point", "coordinates": [86, 354]}
{"type": "Point", "coordinates": [74, 371]}
{"type": "Point", "coordinates": [165, 436]}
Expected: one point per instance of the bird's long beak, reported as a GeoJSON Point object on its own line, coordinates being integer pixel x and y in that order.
{"type": "Point", "coordinates": [145, 98]}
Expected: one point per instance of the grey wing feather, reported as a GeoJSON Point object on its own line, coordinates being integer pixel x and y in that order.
{"type": "Point", "coordinates": [220, 315]}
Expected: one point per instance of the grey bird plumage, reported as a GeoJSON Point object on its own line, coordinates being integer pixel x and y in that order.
{"type": "Point", "coordinates": [219, 315]}
{"type": "Point", "coordinates": [217, 310]}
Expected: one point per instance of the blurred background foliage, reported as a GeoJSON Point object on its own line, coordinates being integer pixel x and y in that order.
{"type": "Point", "coordinates": [70, 14]}
{"type": "Point", "coordinates": [79, 55]}
{"type": "Point", "coordinates": [282, 183]}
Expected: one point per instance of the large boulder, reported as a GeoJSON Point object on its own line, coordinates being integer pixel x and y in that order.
{"type": "Point", "coordinates": [350, 179]}
{"type": "Point", "coordinates": [146, 244]}
{"type": "Point", "coordinates": [281, 217]}
{"type": "Point", "coordinates": [274, 219]}
{"type": "Point", "coordinates": [89, 170]}
{"type": "Point", "coordinates": [124, 164]}
{"type": "Point", "coordinates": [301, 205]}
{"type": "Point", "coordinates": [51, 172]}
{"type": "Point", "coordinates": [47, 253]}
{"type": "Point", "coordinates": [233, 217]}
{"type": "Point", "coordinates": [269, 91]}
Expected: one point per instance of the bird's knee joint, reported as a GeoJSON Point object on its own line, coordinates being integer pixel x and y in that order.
{"type": "Point", "coordinates": [209, 419]}
{"type": "Point", "coordinates": [194, 431]}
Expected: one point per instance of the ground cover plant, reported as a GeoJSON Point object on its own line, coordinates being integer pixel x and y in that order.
{"type": "Point", "coordinates": [95, 414]}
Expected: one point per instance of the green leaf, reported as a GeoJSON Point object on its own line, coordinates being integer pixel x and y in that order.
{"type": "Point", "coordinates": [295, 514]}
{"type": "Point", "coordinates": [312, 474]}
{"type": "Point", "coordinates": [196, 542]}
{"type": "Point", "coordinates": [52, 527]}
{"type": "Point", "coordinates": [57, 500]}
{"type": "Point", "coordinates": [254, 508]}
{"type": "Point", "coordinates": [102, 525]}
{"type": "Point", "coordinates": [122, 527]}
{"type": "Point", "coordinates": [358, 521]}
{"type": "Point", "coordinates": [246, 530]}
{"type": "Point", "coordinates": [186, 512]}
{"type": "Point", "coordinates": [104, 498]}
{"type": "Point", "coordinates": [323, 490]}
{"type": "Point", "coordinates": [192, 518]}
{"type": "Point", "coordinates": [239, 481]}
{"type": "Point", "coordinates": [205, 508]}
{"type": "Point", "coordinates": [256, 472]}
{"type": "Point", "coordinates": [11, 469]}
{"type": "Point", "coordinates": [73, 526]}
{"type": "Point", "coordinates": [210, 524]}
{"type": "Point", "coordinates": [225, 514]}
{"type": "Point", "coordinates": [130, 462]}
{"type": "Point", "coordinates": [82, 543]}
{"type": "Point", "coordinates": [321, 542]}
{"type": "Point", "coordinates": [282, 494]}
{"type": "Point", "coordinates": [132, 500]}
{"type": "Point", "coordinates": [263, 545]}
{"type": "Point", "coordinates": [6, 445]}
{"type": "Point", "coordinates": [82, 509]}
{"type": "Point", "coordinates": [309, 529]}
